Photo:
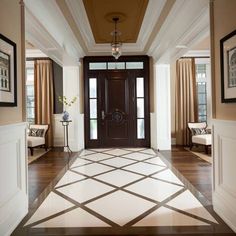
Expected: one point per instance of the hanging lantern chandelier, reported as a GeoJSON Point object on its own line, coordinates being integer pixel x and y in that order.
{"type": "Point", "coordinates": [116, 42]}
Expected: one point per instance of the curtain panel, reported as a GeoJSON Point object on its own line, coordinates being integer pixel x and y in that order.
{"type": "Point", "coordinates": [43, 77]}
{"type": "Point", "coordinates": [186, 99]}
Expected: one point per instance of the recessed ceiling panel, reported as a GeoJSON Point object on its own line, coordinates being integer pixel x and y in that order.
{"type": "Point", "coordinates": [131, 12]}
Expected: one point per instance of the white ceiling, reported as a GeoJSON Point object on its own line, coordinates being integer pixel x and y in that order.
{"type": "Point", "coordinates": [48, 29]}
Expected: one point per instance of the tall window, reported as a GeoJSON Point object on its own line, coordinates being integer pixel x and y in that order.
{"type": "Point", "coordinates": [30, 105]}
{"type": "Point", "coordinates": [201, 79]}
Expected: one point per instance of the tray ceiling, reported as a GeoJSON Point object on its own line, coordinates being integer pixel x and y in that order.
{"type": "Point", "coordinates": [100, 15]}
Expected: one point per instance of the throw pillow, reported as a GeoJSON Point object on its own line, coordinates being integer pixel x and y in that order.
{"type": "Point", "coordinates": [36, 132]}
{"type": "Point", "coordinates": [198, 131]}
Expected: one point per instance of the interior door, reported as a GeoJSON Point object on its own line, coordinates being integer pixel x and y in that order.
{"type": "Point", "coordinates": [117, 109]}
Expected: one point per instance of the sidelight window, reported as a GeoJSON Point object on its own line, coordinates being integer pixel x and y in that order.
{"type": "Point", "coordinates": [140, 108]}
{"type": "Point", "coordinates": [93, 108]}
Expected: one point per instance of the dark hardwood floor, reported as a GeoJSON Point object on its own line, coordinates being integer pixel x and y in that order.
{"type": "Point", "coordinates": [43, 171]}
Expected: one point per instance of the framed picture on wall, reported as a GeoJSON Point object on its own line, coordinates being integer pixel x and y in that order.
{"type": "Point", "coordinates": [8, 80]}
{"type": "Point", "coordinates": [228, 67]}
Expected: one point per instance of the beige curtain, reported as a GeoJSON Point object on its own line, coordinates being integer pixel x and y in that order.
{"type": "Point", "coordinates": [43, 75]}
{"type": "Point", "coordinates": [186, 103]}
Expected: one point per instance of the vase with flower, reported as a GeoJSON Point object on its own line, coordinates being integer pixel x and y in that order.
{"type": "Point", "coordinates": [67, 103]}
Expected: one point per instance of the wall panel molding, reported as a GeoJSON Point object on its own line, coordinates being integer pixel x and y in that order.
{"type": "Point", "coordinates": [13, 176]}
{"type": "Point", "coordinates": [224, 190]}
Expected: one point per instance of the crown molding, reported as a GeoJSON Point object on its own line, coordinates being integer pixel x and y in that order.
{"type": "Point", "coordinates": [197, 53]}
{"type": "Point", "coordinates": [48, 30]}
{"type": "Point", "coordinates": [186, 24]}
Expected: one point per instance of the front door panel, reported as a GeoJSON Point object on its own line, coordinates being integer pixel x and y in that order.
{"type": "Point", "coordinates": [117, 110]}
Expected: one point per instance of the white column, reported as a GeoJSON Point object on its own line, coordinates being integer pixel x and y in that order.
{"type": "Point", "coordinates": [161, 119]}
{"type": "Point", "coordinates": [71, 88]}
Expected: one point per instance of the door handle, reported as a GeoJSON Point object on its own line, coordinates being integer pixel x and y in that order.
{"type": "Point", "coordinates": [103, 115]}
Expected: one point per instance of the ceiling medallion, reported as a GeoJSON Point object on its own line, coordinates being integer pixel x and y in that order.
{"type": "Point", "coordinates": [116, 41]}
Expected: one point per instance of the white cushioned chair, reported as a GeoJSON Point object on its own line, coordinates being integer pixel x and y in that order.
{"type": "Point", "coordinates": [37, 137]}
{"type": "Point", "coordinates": [200, 135]}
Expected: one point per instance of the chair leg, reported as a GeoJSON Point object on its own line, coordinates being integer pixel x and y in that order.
{"type": "Point", "coordinates": [191, 146]}
{"type": "Point", "coordinates": [31, 151]}
{"type": "Point", "coordinates": [46, 148]}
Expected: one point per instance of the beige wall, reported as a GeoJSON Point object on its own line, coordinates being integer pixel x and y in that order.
{"type": "Point", "coordinates": [172, 97]}
{"type": "Point", "coordinates": [10, 26]}
{"type": "Point", "coordinates": [224, 23]}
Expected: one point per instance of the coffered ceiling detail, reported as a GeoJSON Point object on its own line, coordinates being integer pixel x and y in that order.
{"type": "Point", "coordinates": [130, 14]}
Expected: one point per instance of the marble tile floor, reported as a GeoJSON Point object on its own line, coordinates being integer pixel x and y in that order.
{"type": "Point", "coordinates": [123, 189]}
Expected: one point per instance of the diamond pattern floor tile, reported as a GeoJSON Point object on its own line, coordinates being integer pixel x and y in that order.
{"type": "Point", "coordinates": [85, 152]}
{"type": "Point", "coordinates": [188, 203]}
{"type": "Point", "coordinates": [156, 161]}
{"type": "Point", "coordinates": [137, 156]}
{"type": "Point", "coordinates": [119, 177]}
{"type": "Point", "coordinates": [148, 151]}
{"type": "Point", "coordinates": [168, 175]}
{"type": "Point", "coordinates": [69, 177]}
{"type": "Point", "coordinates": [92, 169]}
{"type": "Point", "coordinates": [167, 217]}
{"type": "Point", "coordinates": [74, 218]}
{"type": "Point", "coordinates": [154, 189]}
{"type": "Point", "coordinates": [50, 206]}
{"type": "Point", "coordinates": [117, 152]}
{"type": "Point", "coordinates": [97, 157]}
{"type": "Point", "coordinates": [80, 162]}
{"type": "Point", "coordinates": [120, 207]}
{"type": "Point", "coordinates": [144, 168]}
{"type": "Point", "coordinates": [85, 190]}
{"type": "Point", "coordinates": [118, 162]}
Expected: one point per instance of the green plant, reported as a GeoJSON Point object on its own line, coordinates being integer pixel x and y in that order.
{"type": "Point", "coordinates": [65, 101]}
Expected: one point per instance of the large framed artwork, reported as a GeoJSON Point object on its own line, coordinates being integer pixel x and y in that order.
{"type": "Point", "coordinates": [8, 80]}
{"type": "Point", "coordinates": [228, 67]}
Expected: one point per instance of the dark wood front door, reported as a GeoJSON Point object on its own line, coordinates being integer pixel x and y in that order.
{"type": "Point", "coordinates": [116, 105]}
{"type": "Point", "coordinates": [117, 109]}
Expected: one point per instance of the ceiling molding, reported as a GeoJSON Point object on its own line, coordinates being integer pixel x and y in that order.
{"type": "Point", "coordinates": [34, 53]}
{"type": "Point", "coordinates": [78, 12]}
{"type": "Point", "coordinates": [197, 53]}
{"type": "Point", "coordinates": [186, 24]}
{"type": "Point", "coordinates": [151, 16]}
{"type": "Point", "coordinates": [46, 22]}
{"type": "Point", "coordinates": [41, 38]}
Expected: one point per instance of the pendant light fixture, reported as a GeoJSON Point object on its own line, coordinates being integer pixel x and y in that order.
{"type": "Point", "coordinates": [116, 42]}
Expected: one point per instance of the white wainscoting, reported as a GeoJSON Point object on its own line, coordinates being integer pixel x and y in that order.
{"type": "Point", "coordinates": [224, 188]}
{"type": "Point", "coordinates": [58, 134]}
{"type": "Point", "coordinates": [13, 177]}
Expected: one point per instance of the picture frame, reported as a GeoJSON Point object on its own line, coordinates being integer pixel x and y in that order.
{"type": "Point", "coordinates": [228, 68]}
{"type": "Point", "coordinates": [8, 73]}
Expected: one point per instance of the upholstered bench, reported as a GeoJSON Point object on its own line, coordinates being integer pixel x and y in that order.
{"type": "Point", "coordinates": [200, 135]}
{"type": "Point", "coordinates": [37, 137]}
